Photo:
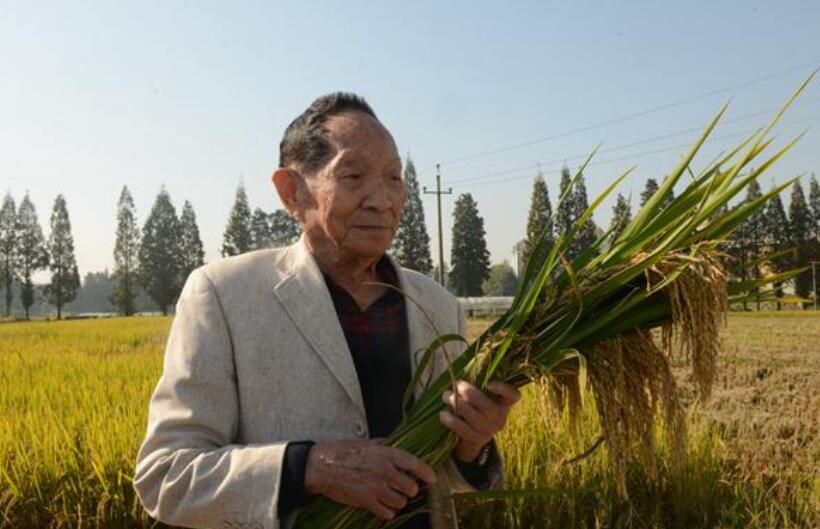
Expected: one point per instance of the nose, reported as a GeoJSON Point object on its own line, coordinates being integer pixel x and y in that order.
{"type": "Point", "coordinates": [379, 198]}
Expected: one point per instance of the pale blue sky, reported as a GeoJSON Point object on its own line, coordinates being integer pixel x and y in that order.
{"type": "Point", "coordinates": [194, 94]}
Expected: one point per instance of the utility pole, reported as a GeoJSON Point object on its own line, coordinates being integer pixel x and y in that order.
{"type": "Point", "coordinates": [438, 192]}
{"type": "Point", "coordinates": [814, 280]}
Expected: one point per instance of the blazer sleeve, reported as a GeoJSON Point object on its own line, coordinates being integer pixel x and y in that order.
{"type": "Point", "coordinates": [495, 472]}
{"type": "Point", "coordinates": [189, 470]}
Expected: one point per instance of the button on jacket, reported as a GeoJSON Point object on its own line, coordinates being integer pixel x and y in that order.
{"type": "Point", "coordinates": [256, 358]}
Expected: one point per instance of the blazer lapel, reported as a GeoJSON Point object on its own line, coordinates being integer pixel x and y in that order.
{"type": "Point", "coordinates": [305, 298]}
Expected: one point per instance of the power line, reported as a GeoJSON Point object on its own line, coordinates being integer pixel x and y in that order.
{"type": "Point", "coordinates": [626, 117]}
{"type": "Point", "coordinates": [530, 167]}
{"type": "Point", "coordinates": [622, 158]}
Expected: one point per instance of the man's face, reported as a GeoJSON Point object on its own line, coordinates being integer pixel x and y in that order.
{"type": "Point", "coordinates": [355, 201]}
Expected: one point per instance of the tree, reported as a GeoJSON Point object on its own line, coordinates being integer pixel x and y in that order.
{"type": "Point", "coordinates": [469, 256]}
{"type": "Point", "coordinates": [8, 248]}
{"type": "Point", "coordinates": [621, 216]}
{"type": "Point", "coordinates": [539, 221]}
{"type": "Point", "coordinates": [776, 238]}
{"type": "Point", "coordinates": [502, 281]}
{"type": "Point", "coordinates": [284, 229]}
{"type": "Point", "coordinates": [565, 216]}
{"type": "Point", "coordinates": [650, 189]}
{"type": "Point", "coordinates": [32, 253]}
{"type": "Point", "coordinates": [411, 246]}
{"type": "Point", "coordinates": [585, 236]}
{"type": "Point", "coordinates": [745, 245]}
{"type": "Point", "coordinates": [192, 255]}
{"type": "Point", "coordinates": [159, 253]}
{"type": "Point", "coordinates": [238, 238]}
{"type": "Point", "coordinates": [260, 230]}
{"type": "Point", "coordinates": [800, 228]}
{"type": "Point", "coordinates": [126, 253]}
{"type": "Point", "coordinates": [65, 278]}
{"type": "Point", "coordinates": [814, 202]}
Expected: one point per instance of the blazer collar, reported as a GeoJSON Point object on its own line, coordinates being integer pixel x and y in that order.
{"type": "Point", "coordinates": [304, 296]}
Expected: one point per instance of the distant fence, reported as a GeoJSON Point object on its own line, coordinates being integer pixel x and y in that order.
{"type": "Point", "coordinates": [485, 306]}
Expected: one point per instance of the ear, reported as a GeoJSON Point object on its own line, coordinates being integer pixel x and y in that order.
{"type": "Point", "coordinates": [287, 182]}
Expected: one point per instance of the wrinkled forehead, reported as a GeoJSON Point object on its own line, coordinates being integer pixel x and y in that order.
{"type": "Point", "coordinates": [357, 135]}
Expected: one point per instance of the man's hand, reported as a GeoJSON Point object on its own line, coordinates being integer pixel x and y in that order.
{"type": "Point", "coordinates": [364, 474]}
{"type": "Point", "coordinates": [477, 417]}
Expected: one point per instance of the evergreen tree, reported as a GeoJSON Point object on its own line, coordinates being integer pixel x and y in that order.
{"type": "Point", "coordinates": [469, 256]}
{"type": "Point", "coordinates": [8, 248]}
{"type": "Point", "coordinates": [502, 281]}
{"type": "Point", "coordinates": [565, 216]}
{"type": "Point", "coordinates": [411, 246]}
{"type": "Point", "coordinates": [585, 237]}
{"type": "Point", "coordinates": [539, 221]}
{"type": "Point", "coordinates": [650, 189]}
{"type": "Point", "coordinates": [776, 238]}
{"type": "Point", "coordinates": [621, 216]}
{"type": "Point", "coordinates": [238, 238]}
{"type": "Point", "coordinates": [800, 228]}
{"type": "Point", "coordinates": [32, 252]}
{"type": "Point", "coordinates": [192, 255]}
{"type": "Point", "coordinates": [260, 230]}
{"type": "Point", "coordinates": [159, 253]}
{"type": "Point", "coordinates": [745, 245]}
{"type": "Point", "coordinates": [126, 254]}
{"type": "Point", "coordinates": [65, 278]}
{"type": "Point", "coordinates": [284, 229]}
{"type": "Point", "coordinates": [814, 202]}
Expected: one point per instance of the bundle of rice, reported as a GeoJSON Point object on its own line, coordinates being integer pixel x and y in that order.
{"type": "Point", "coordinates": [596, 314]}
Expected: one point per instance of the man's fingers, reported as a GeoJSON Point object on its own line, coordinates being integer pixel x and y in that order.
{"type": "Point", "coordinates": [392, 498]}
{"type": "Point", "coordinates": [474, 396]}
{"type": "Point", "coordinates": [413, 464]}
{"type": "Point", "coordinates": [509, 394]}
{"type": "Point", "coordinates": [461, 428]}
{"type": "Point", "coordinates": [473, 417]}
{"type": "Point", "coordinates": [403, 483]}
{"type": "Point", "coordinates": [380, 510]}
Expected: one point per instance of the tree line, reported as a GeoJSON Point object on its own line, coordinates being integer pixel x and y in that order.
{"type": "Point", "coordinates": [152, 260]}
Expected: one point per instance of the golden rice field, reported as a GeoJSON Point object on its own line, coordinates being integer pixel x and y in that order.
{"type": "Point", "coordinates": [73, 404]}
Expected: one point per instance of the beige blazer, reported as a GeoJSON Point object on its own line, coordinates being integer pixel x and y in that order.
{"type": "Point", "coordinates": [256, 357]}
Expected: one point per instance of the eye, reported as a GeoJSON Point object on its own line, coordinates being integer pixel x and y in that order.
{"type": "Point", "coordinates": [352, 176]}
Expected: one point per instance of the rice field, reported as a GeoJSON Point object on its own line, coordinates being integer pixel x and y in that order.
{"type": "Point", "coordinates": [73, 404]}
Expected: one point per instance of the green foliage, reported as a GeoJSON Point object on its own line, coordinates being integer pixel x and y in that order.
{"type": "Point", "coordinates": [800, 230]}
{"type": "Point", "coordinates": [159, 253]}
{"type": "Point", "coordinates": [565, 215]}
{"type": "Point", "coordinates": [238, 238]}
{"type": "Point", "coordinates": [502, 281]}
{"type": "Point", "coordinates": [32, 254]}
{"type": "Point", "coordinates": [8, 248]}
{"type": "Point", "coordinates": [776, 237]}
{"type": "Point", "coordinates": [650, 189]}
{"type": "Point", "coordinates": [260, 229]}
{"type": "Point", "coordinates": [469, 256]}
{"type": "Point", "coordinates": [539, 221]}
{"type": "Point", "coordinates": [284, 229]}
{"type": "Point", "coordinates": [192, 255]}
{"type": "Point", "coordinates": [621, 216]}
{"type": "Point", "coordinates": [65, 278]}
{"type": "Point", "coordinates": [126, 253]}
{"type": "Point", "coordinates": [585, 237]}
{"type": "Point", "coordinates": [814, 202]}
{"type": "Point", "coordinates": [411, 245]}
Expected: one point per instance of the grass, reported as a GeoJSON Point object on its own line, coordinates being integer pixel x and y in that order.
{"type": "Point", "coordinates": [73, 405]}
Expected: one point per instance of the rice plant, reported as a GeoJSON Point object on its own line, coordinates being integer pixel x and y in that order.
{"type": "Point", "coordinates": [589, 320]}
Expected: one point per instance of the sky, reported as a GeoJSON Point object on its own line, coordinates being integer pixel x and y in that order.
{"type": "Point", "coordinates": [194, 96]}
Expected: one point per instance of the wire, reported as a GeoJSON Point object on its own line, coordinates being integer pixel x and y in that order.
{"type": "Point", "coordinates": [625, 117]}
{"type": "Point", "coordinates": [646, 153]}
{"type": "Point", "coordinates": [538, 165]}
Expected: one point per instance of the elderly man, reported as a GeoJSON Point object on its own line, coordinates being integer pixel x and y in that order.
{"type": "Point", "coordinates": [283, 367]}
